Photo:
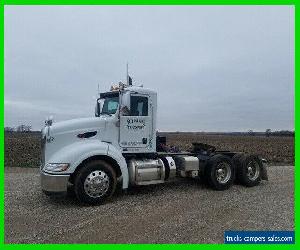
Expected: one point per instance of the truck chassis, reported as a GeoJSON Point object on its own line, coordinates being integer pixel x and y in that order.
{"type": "Point", "coordinates": [218, 169]}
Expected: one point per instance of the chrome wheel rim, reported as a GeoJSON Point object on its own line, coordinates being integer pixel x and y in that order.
{"type": "Point", "coordinates": [223, 172]}
{"type": "Point", "coordinates": [253, 170]}
{"type": "Point", "coordinates": [96, 184]}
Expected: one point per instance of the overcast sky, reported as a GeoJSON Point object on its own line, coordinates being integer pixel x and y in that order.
{"type": "Point", "coordinates": [215, 68]}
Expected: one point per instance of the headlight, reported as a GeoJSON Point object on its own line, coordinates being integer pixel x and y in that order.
{"type": "Point", "coordinates": [56, 167]}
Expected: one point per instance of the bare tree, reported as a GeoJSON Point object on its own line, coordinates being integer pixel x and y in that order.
{"type": "Point", "coordinates": [24, 128]}
{"type": "Point", "coordinates": [9, 129]}
{"type": "Point", "coordinates": [268, 132]}
{"type": "Point", "coordinates": [250, 132]}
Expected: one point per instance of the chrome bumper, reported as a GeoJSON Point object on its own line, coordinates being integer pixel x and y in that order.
{"type": "Point", "coordinates": [54, 184]}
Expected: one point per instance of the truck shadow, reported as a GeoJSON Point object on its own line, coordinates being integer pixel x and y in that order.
{"type": "Point", "coordinates": [138, 191]}
{"type": "Point", "coordinates": [173, 186]}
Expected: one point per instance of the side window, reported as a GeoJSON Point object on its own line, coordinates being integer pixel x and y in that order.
{"type": "Point", "coordinates": [138, 106]}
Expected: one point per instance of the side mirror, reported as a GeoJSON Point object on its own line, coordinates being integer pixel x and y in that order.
{"type": "Point", "coordinates": [97, 109]}
{"type": "Point", "coordinates": [124, 111]}
{"type": "Point", "coordinates": [125, 104]}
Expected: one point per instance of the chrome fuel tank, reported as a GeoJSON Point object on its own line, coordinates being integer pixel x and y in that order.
{"type": "Point", "coordinates": [146, 171]}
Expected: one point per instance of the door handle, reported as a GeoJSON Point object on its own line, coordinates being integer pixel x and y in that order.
{"type": "Point", "coordinates": [144, 140]}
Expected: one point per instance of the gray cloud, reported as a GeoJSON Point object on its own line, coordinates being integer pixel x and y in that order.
{"type": "Point", "coordinates": [216, 68]}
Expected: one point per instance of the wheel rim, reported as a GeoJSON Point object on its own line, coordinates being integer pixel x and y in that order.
{"type": "Point", "coordinates": [96, 184]}
{"type": "Point", "coordinates": [223, 172]}
{"type": "Point", "coordinates": [253, 170]}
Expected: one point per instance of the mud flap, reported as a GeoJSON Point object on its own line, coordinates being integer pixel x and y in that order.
{"type": "Point", "coordinates": [264, 173]}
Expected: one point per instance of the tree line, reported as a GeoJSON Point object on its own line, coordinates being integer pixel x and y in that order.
{"type": "Point", "coordinates": [269, 133]}
{"type": "Point", "coordinates": [20, 128]}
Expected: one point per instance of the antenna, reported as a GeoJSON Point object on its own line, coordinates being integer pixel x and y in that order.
{"type": "Point", "coordinates": [129, 79]}
{"type": "Point", "coordinates": [98, 90]}
{"type": "Point", "coordinates": [127, 76]}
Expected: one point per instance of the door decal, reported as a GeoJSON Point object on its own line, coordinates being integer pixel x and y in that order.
{"type": "Point", "coordinates": [135, 124]}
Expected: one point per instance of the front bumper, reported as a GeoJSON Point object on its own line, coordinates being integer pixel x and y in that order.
{"type": "Point", "coordinates": [54, 184]}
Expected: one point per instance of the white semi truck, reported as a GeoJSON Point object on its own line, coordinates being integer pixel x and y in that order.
{"type": "Point", "coordinates": [120, 147]}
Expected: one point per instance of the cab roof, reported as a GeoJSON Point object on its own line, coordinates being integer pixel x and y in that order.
{"type": "Point", "coordinates": [131, 88]}
{"type": "Point", "coordinates": [141, 90]}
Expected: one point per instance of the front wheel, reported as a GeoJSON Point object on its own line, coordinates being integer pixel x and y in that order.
{"type": "Point", "coordinates": [220, 172]}
{"type": "Point", "coordinates": [95, 182]}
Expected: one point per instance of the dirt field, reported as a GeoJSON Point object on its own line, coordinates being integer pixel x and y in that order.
{"type": "Point", "coordinates": [277, 150]}
{"type": "Point", "coordinates": [185, 211]}
{"type": "Point", "coordinates": [23, 149]}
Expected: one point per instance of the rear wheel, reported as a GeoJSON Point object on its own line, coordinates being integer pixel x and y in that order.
{"type": "Point", "coordinates": [219, 172]}
{"type": "Point", "coordinates": [237, 163]}
{"type": "Point", "coordinates": [95, 182]}
{"type": "Point", "coordinates": [249, 171]}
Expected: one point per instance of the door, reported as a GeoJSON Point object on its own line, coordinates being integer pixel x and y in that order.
{"type": "Point", "coordinates": [135, 123]}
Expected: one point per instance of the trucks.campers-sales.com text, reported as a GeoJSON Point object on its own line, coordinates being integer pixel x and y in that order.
{"type": "Point", "coordinates": [259, 237]}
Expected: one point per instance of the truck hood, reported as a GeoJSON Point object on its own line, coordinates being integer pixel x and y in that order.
{"type": "Point", "coordinates": [62, 134]}
{"type": "Point", "coordinates": [78, 124]}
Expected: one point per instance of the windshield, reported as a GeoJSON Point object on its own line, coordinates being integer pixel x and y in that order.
{"type": "Point", "coordinates": [110, 105]}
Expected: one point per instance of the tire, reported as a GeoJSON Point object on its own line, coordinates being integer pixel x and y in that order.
{"type": "Point", "coordinates": [249, 170]}
{"type": "Point", "coordinates": [237, 163]}
{"type": "Point", "coordinates": [95, 182]}
{"type": "Point", "coordinates": [71, 191]}
{"type": "Point", "coordinates": [236, 158]}
{"type": "Point", "coordinates": [217, 179]}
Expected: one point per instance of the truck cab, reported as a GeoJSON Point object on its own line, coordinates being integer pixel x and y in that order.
{"type": "Point", "coordinates": [118, 146]}
{"type": "Point", "coordinates": [134, 112]}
